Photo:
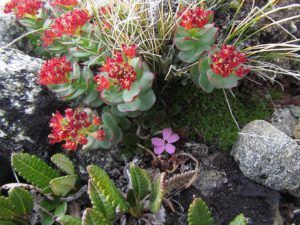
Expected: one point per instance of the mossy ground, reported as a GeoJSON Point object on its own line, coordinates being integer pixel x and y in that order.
{"type": "Point", "coordinates": [208, 114]}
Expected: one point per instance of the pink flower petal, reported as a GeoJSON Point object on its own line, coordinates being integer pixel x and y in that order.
{"type": "Point", "coordinates": [157, 141]}
{"type": "Point", "coordinates": [170, 148]}
{"type": "Point", "coordinates": [159, 149]}
{"type": "Point", "coordinates": [167, 132]}
{"type": "Point", "coordinates": [174, 137]}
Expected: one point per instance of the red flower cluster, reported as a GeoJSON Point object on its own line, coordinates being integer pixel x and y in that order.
{"type": "Point", "coordinates": [55, 71]}
{"type": "Point", "coordinates": [194, 18]}
{"type": "Point", "coordinates": [23, 7]}
{"type": "Point", "coordinates": [73, 129]}
{"type": "Point", "coordinates": [65, 3]}
{"type": "Point", "coordinates": [119, 71]}
{"type": "Point", "coordinates": [67, 24]}
{"type": "Point", "coordinates": [228, 60]}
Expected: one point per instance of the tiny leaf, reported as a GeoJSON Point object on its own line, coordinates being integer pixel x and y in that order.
{"type": "Point", "coordinates": [63, 163]}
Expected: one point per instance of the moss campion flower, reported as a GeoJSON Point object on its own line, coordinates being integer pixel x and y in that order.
{"type": "Point", "coordinates": [194, 18]}
{"type": "Point", "coordinates": [65, 3]}
{"type": "Point", "coordinates": [165, 143]}
{"type": "Point", "coordinates": [55, 71]}
{"type": "Point", "coordinates": [21, 8]}
{"type": "Point", "coordinates": [227, 61]}
{"type": "Point", "coordinates": [117, 71]}
{"type": "Point", "coordinates": [73, 129]}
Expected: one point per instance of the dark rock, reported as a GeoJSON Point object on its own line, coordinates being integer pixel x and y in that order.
{"type": "Point", "coordinates": [25, 107]}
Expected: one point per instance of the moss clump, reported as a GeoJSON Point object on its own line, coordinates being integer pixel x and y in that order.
{"type": "Point", "coordinates": [209, 113]}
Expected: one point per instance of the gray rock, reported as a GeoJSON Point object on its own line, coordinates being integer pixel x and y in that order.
{"type": "Point", "coordinates": [268, 156]}
{"type": "Point", "coordinates": [25, 107]}
{"type": "Point", "coordinates": [10, 30]}
{"type": "Point", "coordinates": [284, 120]}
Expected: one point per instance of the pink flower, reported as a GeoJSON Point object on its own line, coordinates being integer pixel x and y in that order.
{"type": "Point", "coordinates": [165, 143]}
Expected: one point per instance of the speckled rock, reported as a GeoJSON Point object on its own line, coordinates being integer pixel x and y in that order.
{"type": "Point", "coordinates": [10, 30]}
{"type": "Point", "coordinates": [25, 107]}
{"type": "Point", "coordinates": [269, 157]}
{"type": "Point", "coordinates": [284, 120]}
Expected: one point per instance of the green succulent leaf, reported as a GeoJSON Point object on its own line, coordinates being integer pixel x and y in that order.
{"type": "Point", "coordinates": [140, 181]}
{"type": "Point", "coordinates": [61, 186]}
{"type": "Point", "coordinates": [94, 217]}
{"type": "Point", "coordinates": [142, 103]}
{"type": "Point", "coordinates": [110, 122]}
{"type": "Point", "coordinates": [7, 210]}
{"type": "Point", "coordinates": [22, 201]}
{"type": "Point", "coordinates": [157, 193]}
{"type": "Point", "coordinates": [137, 65]}
{"type": "Point", "coordinates": [199, 75]}
{"type": "Point", "coordinates": [239, 220]}
{"type": "Point", "coordinates": [220, 82]}
{"type": "Point", "coordinates": [69, 220]}
{"type": "Point", "coordinates": [63, 163]}
{"type": "Point", "coordinates": [107, 188]}
{"type": "Point", "coordinates": [146, 81]}
{"type": "Point", "coordinates": [99, 202]}
{"type": "Point", "coordinates": [112, 97]}
{"type": "Point", "coordinates": [199, 213]}
{"type": "Point", "coordinates": [34, 170]}
{"type": "Point", "coordinates": [132, 93]}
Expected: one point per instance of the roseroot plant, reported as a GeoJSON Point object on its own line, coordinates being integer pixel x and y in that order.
{"type": "Point", "coordinates": [195, 33]}
{"type": "Point", "coordinates": [69, 81]}
{"type": "Point", "coordinates": [125, 82]}
{"type": "Point", "coordinates": [85, 128]}
{"type": "Point", "coordinates": [222, 68]}
{"type": "Point", "coordinates": [199, 214]}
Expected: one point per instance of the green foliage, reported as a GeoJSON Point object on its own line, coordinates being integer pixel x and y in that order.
{"type": "Point", "coordinates": [140, 181]}
{"type": "Point", "coordinates": [99, 202]}
{"type": "Point", "coordinates": [22, 201]}
{"type": "Point", "coordinates": [199, 213]}
{"type": "Point", "coordinates": [157, 193]}
{"type": "Point", "coordinates": [94, 217]}
{"type": "Point", "coordinates": [34, 170]}
{"type": "Point", "coordinates": [69, 220]}
{"type": "Point", "coordinates": [194, 42]}
{"type": "Point", "coordinates": [239, 220]}
{"type": "Point", "coordinates": [209, 115]}
{"type": "Point", "coordinates": [139, 98]}
{"type": "Point", "coordinates": [107, 188]}
{"type": "Point", "coordinates": [61, 186]}
{"type": "Point", "coordinates": [16, 208]}
{"type": "Point", "coordinates": [63, 163]}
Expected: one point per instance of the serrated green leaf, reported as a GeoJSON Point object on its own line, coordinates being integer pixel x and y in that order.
{"type": "Point", "coordinates": [199, 213]}
{"type": "Point", "coordinates": [107, 188]}
{"type": "Point", "coordinates": [61, 209]}
{"type": "Point", "coordinates": [22, 200]}
{"type": "Point", "coordinates": [69, 220]}
{"type": "Point", "coordinates": [7, 211]}
{"type": "Point", "coordinates": [93, 217]}
{"type": "Point", "coordinates": [61, 186]}
{"type": "Point", "coordinates": [157, 193]}
{"type": "Point", "coordinates": [99, 202]}
{"type": "Point", "coordinates": [239, 220]}
{"type": "Point", "coordinates": [63, 163]}
{"type": "Point", "coordinates": [34, 170]}
{"type": "Point", "coordinates": [140, 181]}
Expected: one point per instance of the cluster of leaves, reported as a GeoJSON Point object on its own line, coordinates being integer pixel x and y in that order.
{"type": "Point", "coordinates": [199, 214]}
{"type": "Point", "coordinates": [51, 191]}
